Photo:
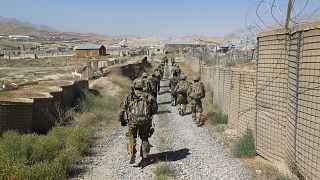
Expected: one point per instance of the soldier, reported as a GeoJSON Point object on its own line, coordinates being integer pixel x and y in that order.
{"type": "Point", "coordinates": [181, 90]}
{"type": "Point", "coordinates": [173, 70]}
{"type": "Point", "coordinates": [172, 84]}
{"type": "Point", "coordinates": [158, 76]}
{"type": "Point", "coordinates": [161, 70]}
{"type": "Point", "coordinates": [196, 92]}
{"type": "Point", "coordinates": [147, 84]}
{"type": "Point", "coordinates": [179, 71]}
{"type": "Point", "coordinates": [155, 85]}
{"type": "Point", "coordinates": [172, 61]}
{"type": "Point", "coordinates": [140, 107]}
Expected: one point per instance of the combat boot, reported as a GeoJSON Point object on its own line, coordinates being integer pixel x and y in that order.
{"type": "Point", "coordinates": [143, 163]}
{"type": "Point", "coordinates": [132, 159]}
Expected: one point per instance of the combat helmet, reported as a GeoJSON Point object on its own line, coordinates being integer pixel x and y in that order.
{"type": "Point", "coordinates": [144, 75]}
{"type": "Point", "coordinates": [138, 84]}
{"type": "Point", "coordinates": [196, 78]}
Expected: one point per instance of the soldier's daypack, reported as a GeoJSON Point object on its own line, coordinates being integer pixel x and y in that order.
{"type": "Point", "coordinates": [198, 91]}
{"type": "Point", "coordinates": [140, 110]}
{"type": "Point", "coordinates": [183, 88]}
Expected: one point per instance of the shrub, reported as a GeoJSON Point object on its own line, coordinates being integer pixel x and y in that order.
{"type": "Point", "coordinates": [163, 171]}
{"type": "Point", "coordinates": [217, 117]}
{"type": "Point", "coordinates": [245, 146]}
{"type": "Point", "coordinates": [51, 156]}
{"type": "Point", "coordinates": [103, 107]}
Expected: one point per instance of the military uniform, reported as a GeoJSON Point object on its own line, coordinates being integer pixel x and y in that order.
{"type": "Point", "coordinates": [173, 83]}
{"type": "Point", "coordinates": [181, 90]}
{"type": "Point", "coordinates": [155, 85]}
{"type": "Point", "coordinates": [138, 126]}
{"type": "Point", "coordinates": [196, 92]}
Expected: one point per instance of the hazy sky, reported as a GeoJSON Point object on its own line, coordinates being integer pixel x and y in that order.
{"type": "Point", "coordinates": [157, 18]}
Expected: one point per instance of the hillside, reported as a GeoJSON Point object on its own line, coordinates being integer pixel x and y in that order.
{"type": "Point", "coordinates": [15, 26]}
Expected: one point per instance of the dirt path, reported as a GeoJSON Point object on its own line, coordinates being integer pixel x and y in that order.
{"type": "Point", "coordinates": [192, 151]}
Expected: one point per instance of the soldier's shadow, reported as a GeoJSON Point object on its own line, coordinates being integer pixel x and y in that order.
{"type": "Point", "coordinates": [168, 156]}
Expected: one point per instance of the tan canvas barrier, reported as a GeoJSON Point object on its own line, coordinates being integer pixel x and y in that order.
{"type": "Point", "coordinates": [280, 101]}
{"type": "Point", "coordinates": [226, 91]}
{"type": "Point", "coordinates": [42, 119]}
{"type": "Point", "coordinates": [16, 114]}
{"type": "Point", "coordinates": [246, 114]}
{"type": "Point", "coordinates": [271, 95]}
{"type": "Point", "coordinates": [234, 99]}
{"type": "Point", "coordinates": [307, 129]}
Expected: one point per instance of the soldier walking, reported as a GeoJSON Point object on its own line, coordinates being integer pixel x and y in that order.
{"type": "Point", "coordinates": [139, 106]}
{"type": "Point", "coordinates": [172, 84]}
{"type": "Point", "coordinates": [196, 92]}
{"type": "Point", "coordinates": [181, 90]}
{"type": "Point", "coordinates": [155, 85]}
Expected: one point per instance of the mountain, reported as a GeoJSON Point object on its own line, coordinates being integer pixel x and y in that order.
{"type": "Point", "coordinates": [15, 26]}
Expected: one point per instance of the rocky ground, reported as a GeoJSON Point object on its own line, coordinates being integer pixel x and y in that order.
{"type": "Point", "coordinates": [191, 151]}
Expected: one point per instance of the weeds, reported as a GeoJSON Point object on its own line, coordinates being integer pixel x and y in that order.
{"type": "Point", "coordinates": [51, 156]}
{"type": "Point", "coordinates": [245, 146]}
{"type": "Point", "coordinates": [217, 117]}
{"type": "Point", "coordinates": [164, 171]}
{"type": "Point", "coordinates": [104, 108]}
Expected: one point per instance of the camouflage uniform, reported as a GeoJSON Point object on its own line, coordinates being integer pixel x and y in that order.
{"type": "Point", "coordinates": [145, 130]}
{"type": "Point", "coordinates": [182, 97]}
{"type": "Point", "coordinates": [178, 71]}
{"type": "Point", "coordinates": [155, 85]}
{"type": "Point", "coordinates": [195, 100]}
{"type": "Point", "coordinates": [172, 61]}
{"type": "Point", "coordinates": [173, 83]}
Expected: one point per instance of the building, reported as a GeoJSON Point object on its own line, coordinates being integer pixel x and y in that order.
{"type": "Point", "coordinates": [179, 45]}
{"type": "Point", "coordinates": [90, 50]}
{"type": "Point", "coordinates": [153, 50]}
{"type": "Point", "coordinates": [19, 37]}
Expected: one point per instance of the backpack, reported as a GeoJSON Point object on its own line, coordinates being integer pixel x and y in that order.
{"type": "Point", "coordinates": [182, 87]}
{"type": "Point", "coordinates": [140, 110]}
{"type": "Point", "coordinates": [198, 91]}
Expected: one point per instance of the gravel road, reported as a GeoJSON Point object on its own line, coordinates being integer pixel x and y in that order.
{"type": "Point", "coordinates": [191, 151]}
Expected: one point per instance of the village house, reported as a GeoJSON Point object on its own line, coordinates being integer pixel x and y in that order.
{"type": "Point", "coordinates": [90, 50]}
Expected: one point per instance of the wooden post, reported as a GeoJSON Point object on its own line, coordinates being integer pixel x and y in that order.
{"type": "Point", "coordinates": [288, 14]}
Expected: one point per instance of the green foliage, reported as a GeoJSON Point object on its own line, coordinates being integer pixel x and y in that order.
{"type": "Point", "coordinates": [245, 146]}
{"type": "Point", "coordinates": [51, 156]}
{"type": "Point", "coordinates": [163, 171]}
{"type": "Point", "coordinates": [104, 108]}
{"type": "Point", "coordinates": [217, 117]}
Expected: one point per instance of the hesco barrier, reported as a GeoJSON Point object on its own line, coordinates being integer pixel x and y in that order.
{"type": "Point", "coordinates": [38, 111]}
{"type": "Point", "coordinates": [16, 114]}
{"type": "Point", "coordinates": [80, 87]}
{"type": "Point", "coordinates": [279, 101]}
{"type": "Point", "coordinates": [42, 119]}
{"type": "Point", "coordinates": [56, 93]}
{"type": "Point", "coordinates": [68, 94]}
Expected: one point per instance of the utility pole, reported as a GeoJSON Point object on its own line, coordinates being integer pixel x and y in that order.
{"type": "Point", "coordinates": [288, 14]}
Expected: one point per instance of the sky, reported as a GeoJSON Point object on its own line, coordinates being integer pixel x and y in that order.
{"type": "Point", "coordinates": [149, 18]}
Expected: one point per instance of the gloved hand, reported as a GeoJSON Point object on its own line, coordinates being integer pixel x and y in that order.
{"type": "Point", "coordinates": [123, 123]}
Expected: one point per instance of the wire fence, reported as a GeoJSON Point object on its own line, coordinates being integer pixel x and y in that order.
{"type": "Point", "coordinates": [278, 99]}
